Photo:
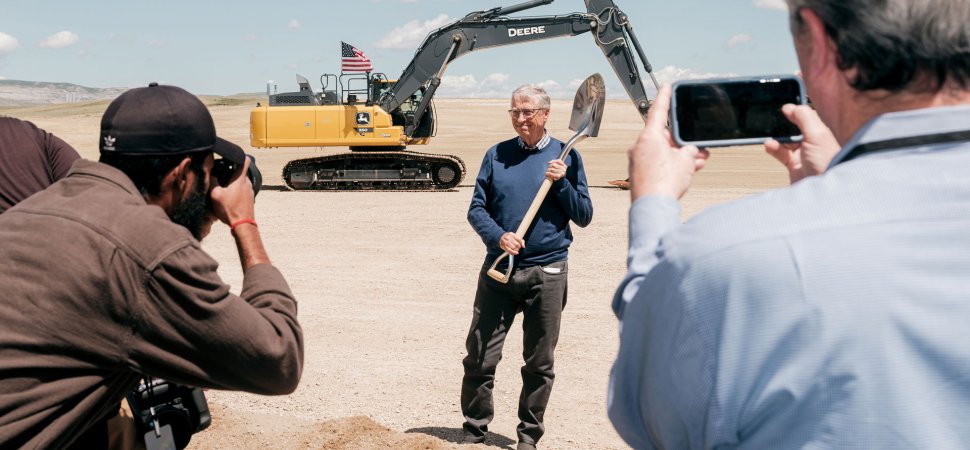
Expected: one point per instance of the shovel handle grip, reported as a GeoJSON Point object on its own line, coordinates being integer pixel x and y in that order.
{"type": "Point", "coordinates": [497, 275]}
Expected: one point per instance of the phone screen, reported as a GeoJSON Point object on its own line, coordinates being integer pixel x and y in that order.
{"type": "Point", "coordinates": [734, 112]}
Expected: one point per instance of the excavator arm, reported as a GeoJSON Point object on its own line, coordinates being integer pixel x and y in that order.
{"type": "Point", "coordinates": [493, 28]}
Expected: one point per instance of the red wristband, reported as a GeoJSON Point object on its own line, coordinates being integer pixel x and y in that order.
{"type": "Point", "coordinates": [239, 222]}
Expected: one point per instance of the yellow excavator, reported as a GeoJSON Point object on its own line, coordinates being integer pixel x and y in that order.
{"type": "Point", "coordinates": [378, 118]}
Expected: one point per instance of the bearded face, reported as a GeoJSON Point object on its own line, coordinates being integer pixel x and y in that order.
{"type": "Point", "coordinates": [193, 213]}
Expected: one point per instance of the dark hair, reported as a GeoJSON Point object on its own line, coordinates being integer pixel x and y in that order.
{"type": "Point", "coordinates": [892, 43]}
{"type": "Point", "coordinates": [147, 172]}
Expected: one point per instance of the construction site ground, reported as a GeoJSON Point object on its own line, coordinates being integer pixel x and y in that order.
{"type": "Point", "coordinates": [386, 282]}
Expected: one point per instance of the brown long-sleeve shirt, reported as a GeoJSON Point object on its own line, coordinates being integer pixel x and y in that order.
{"type": "Point", "coordinates": [99, 287]}
{"type": "Point", "coordinates": [30, 160]}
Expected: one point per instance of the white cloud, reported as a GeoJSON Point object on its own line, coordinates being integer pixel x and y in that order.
{"type": "Point", "coordinates": [61, 39]}
{"type": "Point", "coordinates": [2, 77]}
{"type": "Point", "coordinates": [457, 86]}
{"type": "Point", "coordinates": [294, 24]}
{"type": "Point", "coordinates": [411, 34]}
{"type": "Point", "coordinates": [249, 38]}
{"type": "Point", "coordinates": [669, 74]}
{"type": "Point", "coordinates": [156, 43]}
{"type": "Point", "coordinates": [292, 66]}
{"type": "Point", "coordinates": [778, 5]}
{"type": "Point", "coordinates": [8, 44]}
{"type": "Point", "coordinates": [553, 88]}
{"type": "Point", "coordinates": [495, 80]}
{"type": "Point", "coordinates": [495, 85]}
{"type": "Point", "coordinates": [501, 85]}
{"type": "Point", "coordinates": [736, 40]}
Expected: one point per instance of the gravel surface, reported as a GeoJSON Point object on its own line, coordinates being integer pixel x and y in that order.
{"type": "Point", "coordinates": [386, 282]}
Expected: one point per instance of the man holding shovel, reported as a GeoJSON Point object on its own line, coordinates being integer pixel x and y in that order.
{"type": "Point", "coordinates": [510, 174]}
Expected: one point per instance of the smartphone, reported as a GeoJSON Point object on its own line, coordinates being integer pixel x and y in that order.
{"type": "Point", "coordinates": [734, 111]}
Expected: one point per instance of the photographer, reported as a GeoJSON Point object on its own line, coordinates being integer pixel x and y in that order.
{"type": "Point", "coordinates": [105, 279]}
{"type": "Point", "coordinates": [832, 313]}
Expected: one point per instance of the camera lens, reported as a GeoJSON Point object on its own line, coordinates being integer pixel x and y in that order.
{"type": "Point", "coordinates": [224, 170]}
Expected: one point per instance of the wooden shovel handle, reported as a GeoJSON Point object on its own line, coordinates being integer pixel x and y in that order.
{"type": "Point", "coordinates": [530, 215]}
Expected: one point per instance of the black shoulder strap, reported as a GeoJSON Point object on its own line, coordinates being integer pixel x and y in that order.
{"type": "Point", "coordinates": [906, 142]}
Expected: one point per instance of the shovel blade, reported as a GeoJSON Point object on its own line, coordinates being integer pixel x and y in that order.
{"type": "Point", "coordinates": [588, 106]}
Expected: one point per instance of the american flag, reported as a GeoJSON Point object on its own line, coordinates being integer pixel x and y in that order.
{"type": "Point", "coordinates": [353, 60]}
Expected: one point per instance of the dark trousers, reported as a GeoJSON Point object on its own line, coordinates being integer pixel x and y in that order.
{"type": "Point", "coordinates": [541, 297]}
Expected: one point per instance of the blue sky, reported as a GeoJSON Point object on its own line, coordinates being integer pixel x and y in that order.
{"type": "Point", "coordinates": [227, 47]}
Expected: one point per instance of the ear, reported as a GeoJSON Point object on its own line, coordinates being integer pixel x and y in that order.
{"type": "Point", "coordinates": [821, 50]}
{"type": "Point", "coordinates": [182, 172]}
{"type": "Point", "coordinates": [176, 180]}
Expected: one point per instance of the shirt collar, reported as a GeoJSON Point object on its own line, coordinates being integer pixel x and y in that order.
{"type": "Point", "coordinates": [539, 145]}
{"type": "Point", "coordinates": [902, 124]}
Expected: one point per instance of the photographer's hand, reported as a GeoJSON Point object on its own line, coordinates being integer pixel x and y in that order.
{"type": "Point", "coordinates": [235, 201]}
{"type": "Point", "coordinates": [235, 204]}
{"type": "Point", "coordinates": [811, 156]}
{"type": "Point", "coordinates": [657, 165]}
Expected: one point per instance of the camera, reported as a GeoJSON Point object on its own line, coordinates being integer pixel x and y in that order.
{"type": "Point", "coordinates": [734, 111]}
{"type": "Point", "coordinates": [224, 170]}
{"type": "Point", "coordinates": [157, 403]}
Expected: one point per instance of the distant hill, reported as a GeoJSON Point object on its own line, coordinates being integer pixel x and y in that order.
{"type": "Point", "coordinates": [35, 93]}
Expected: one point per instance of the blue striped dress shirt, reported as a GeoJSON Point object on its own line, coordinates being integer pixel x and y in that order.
{"type": "Point", "coordinates": [834, 313]}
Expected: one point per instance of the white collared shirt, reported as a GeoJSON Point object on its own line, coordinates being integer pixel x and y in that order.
{"type": "Point", "coordinates": [539, 146]}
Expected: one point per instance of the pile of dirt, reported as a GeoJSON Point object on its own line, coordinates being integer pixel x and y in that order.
{"type": "Point", "coordinates": [361, 433]}
{"type": "Point", "coordinates": [238, 429]}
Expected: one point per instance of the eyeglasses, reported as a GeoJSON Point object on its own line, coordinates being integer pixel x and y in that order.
{"type": "Point", "coordinates": [524, 113]}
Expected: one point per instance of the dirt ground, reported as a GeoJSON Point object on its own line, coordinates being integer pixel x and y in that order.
{"type": "Point", "coordinates": [386, 281]}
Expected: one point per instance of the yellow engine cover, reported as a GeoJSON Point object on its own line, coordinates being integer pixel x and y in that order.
{"type": "Point", "coordinates": [323, 126]}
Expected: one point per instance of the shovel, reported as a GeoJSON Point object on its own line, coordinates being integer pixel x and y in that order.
{"type": "Point", "coordinates": [585, 121]}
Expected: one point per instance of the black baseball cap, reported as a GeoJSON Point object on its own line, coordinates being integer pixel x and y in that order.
{"type": "Point", "coordinates": [161, 120]}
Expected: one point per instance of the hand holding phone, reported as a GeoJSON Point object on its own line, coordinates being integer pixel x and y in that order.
{"type": "Point", "coordinates": [734, 111]}
{"type": "Point", "coordinates": [657, 164]}
{"type": "Point", "coordinates": [812, 155]}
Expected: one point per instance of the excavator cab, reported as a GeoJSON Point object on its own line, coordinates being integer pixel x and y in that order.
{"type": "Point", "coordinates": [380, 86]}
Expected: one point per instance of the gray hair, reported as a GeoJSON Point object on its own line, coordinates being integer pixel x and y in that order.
{"type": "Point", "coordinates": [533, 92]}
{"type": "Point", "coordinates": [892, 43]}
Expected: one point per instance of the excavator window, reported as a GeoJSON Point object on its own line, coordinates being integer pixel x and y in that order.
{"type": "Point", "coordinates": [379, 88]}
{"type": "Point", "coordinates": [411, 104]}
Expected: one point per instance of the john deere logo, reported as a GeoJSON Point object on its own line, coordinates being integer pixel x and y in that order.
{"type": "Point", "coordinates": [363, 118]}
{"type": "Point", "coordinates": [109, 143]}
{"type": "Point", "coordinates": [515, 32]}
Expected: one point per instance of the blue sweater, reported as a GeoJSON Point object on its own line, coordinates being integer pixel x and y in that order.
{"type": "Point", "coordinates": [507, 183]}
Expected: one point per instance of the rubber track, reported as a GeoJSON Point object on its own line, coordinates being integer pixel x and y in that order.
{"type": "Point", "coordinates": [400, 155]}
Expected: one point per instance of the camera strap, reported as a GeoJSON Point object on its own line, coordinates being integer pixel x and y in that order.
{"type": "Point", "coordinates": [906, 142]}
{"type": "Point", "coordinates": [160, 437]}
